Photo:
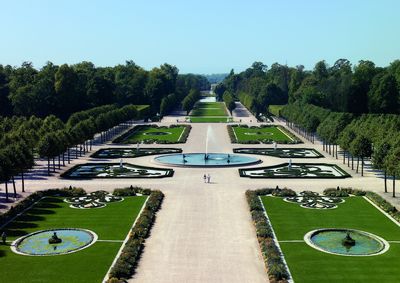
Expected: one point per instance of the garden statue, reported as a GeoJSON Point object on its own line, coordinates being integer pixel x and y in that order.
{"type": "Point", "coordinates": [55, 239]}
{"type": "Point", "coordinates": [348, 241]}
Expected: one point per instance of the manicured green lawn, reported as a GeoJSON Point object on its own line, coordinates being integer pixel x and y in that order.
{"type": "Point", "coordinates": [292, 222]}
{"type": "Point", "coordinates": [153, 133]}
{"type": "Point", "coordinates": [208, 119]}
{"type": "Point", "coordinates": [203, 109]}
{"type": "Point", "coordinates": [244, 134]}
{"type": "Point", "coordinates": [112, 222]}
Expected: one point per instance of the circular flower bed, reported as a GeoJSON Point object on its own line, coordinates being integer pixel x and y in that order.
{"type": "Point", "coordinates": [346, 242]}
{"type": "Point", "coordinates": [37, 243]}
{"type": "Point", "coordinates": [97, 199]}
{"type": "Point", "coordinates": [308, 199]}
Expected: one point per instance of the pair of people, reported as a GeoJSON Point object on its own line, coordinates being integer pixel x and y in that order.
{"type": "Point", "coordinates": [207, 178]}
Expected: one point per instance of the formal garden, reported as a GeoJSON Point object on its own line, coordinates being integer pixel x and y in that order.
{"type": "Point", "coordinates": [132, 152]}
{"type": "Point", "coordinates": [267, 134]}
{"type": "Point", "coordinates": [296, 170]}
{"type": "Point", "coordinates": [149, 134]}
{"type": "Point", "coordinates": [115, 170]}
{"type": "Point", "coordinates": [281, 152]}
{"type": "Point", "coordinates": [56, 230]}
{"type": "Point", "coordinates": [337, 237]}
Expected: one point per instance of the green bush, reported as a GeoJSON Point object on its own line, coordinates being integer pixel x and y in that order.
{"type": "Point", "coordinates": [272, 257]}
{"type": "Point", "coordinates": [126, 263]}
{"type": "Point", "coordinates": [343, 192]}
{"type": "Point", "coordinates": [382, 203]}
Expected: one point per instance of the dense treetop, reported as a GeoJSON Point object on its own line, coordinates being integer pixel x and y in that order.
{"type": "Point", "coordinates": [66, 89]}
{"type": "Point", "coordinates": [363, 88]}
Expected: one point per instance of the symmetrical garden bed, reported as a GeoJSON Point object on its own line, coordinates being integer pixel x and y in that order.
{"type": "Point", "coordinates": [130, 152]}
{"type": "Point", "coordinates": [267, 134]}
{"type": "Point", "coordinates": [155, 134]}
{"type": "Point", "coordinates": [115, 170]}
{"type": "Point", "coordinates": [111, 224]}
{"type": "Point", "coordinates": [284, 226]}
{"type": "Point", "coordinates": [282, 152]}
{"type": "Point", "coordinates": [296, 170]}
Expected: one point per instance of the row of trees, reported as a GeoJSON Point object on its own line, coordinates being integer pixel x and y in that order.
{"type": "Point", "coordinates": [359, 89]}
{"type": "Point", "coordinates": [66, 89]}
{"type": "Point", "coordinates": [229, 101]}
{"type": "Point", "coordinates": [375, 136]}
{"type": "Point", "coordinates": [190, 100]}
{"type": "Point", "coordinates": [50, 138]}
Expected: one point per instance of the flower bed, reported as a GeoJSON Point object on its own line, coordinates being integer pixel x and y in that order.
{"type": "Point", "coordinates": [132, 152]}
{"type": "Point", "coordinates": [115, 170]}
{"type": "Point", "coordinates": [296, 170]}
{"type": "Point", "coordinates": [281, 152]}
{"type": "Point", "coordinates": [97, 199]}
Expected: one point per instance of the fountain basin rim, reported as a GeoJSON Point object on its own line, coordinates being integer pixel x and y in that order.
{"type": "Point", "coordinates": [15, 243]}
{"type": "Point", "coordinates": [308, 235]}
{"type": "Point", "coordinates": [154, 160]}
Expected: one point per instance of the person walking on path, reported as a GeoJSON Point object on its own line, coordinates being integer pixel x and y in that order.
{"type": "Point", "coordinates": [4, 237]}
{"type": "Point", "coordinates": [205, 178]}
{"type": "Point", "coordinates": [208, 178]}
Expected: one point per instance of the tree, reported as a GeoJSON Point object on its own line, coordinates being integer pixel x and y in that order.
{"type": "Point", "coordinates": [361, 146]}
{"type": "Point", "coordinates": [393, 166]}
{"type": "Point", "coordinates": [379, 156]}
{"type": "Point", "coordinates": [69, 97]}
{"type": "Point", "coordinates": [229, 101]}
{"type": "Point", "coordinates": [384, 95]}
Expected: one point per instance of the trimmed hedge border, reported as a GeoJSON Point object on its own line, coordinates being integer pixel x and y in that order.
{"type": "Point", "coordinates": [172, 150]}
{"type": "Point", "coordinates": [66, 174]}
{"type": "Point", "coordinates": [183, 138]}
{"type": "Point", "coordinates": [345, 174]}
{"type": "Point", "coordinates": [234, 139]}
{"type": "Point", "coordinates": [127, 262]}
{"type": "Point", "coordinates": [257, 149]}
{"type": "Point", "coordinates": [273, 257]}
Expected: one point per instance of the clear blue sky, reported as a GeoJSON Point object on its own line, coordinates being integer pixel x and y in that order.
{"type": "Point", "coordinates": [199, 36]}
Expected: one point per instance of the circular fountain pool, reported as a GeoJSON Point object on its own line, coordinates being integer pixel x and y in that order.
{"type": "Point", "coordinates": [37, 243]}
{"type": "Point", "coordinates": [206, 160]}
{"type": "Point", "coordinates": [333, 241]}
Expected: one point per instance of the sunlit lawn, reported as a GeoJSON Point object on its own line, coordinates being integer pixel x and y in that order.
{"type": "Point", "coordinates": [112, 222]}
{"type": "Point", "coordinates": [292, 222]}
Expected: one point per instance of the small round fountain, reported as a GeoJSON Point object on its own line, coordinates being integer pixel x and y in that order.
{"type": "Point", "coordinates": [53, 242]}
{"type": "Point", "coordinates": [347, 242]}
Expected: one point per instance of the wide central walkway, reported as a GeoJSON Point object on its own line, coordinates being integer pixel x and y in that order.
{"type": "Point", "coordinates": [203, 232]}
